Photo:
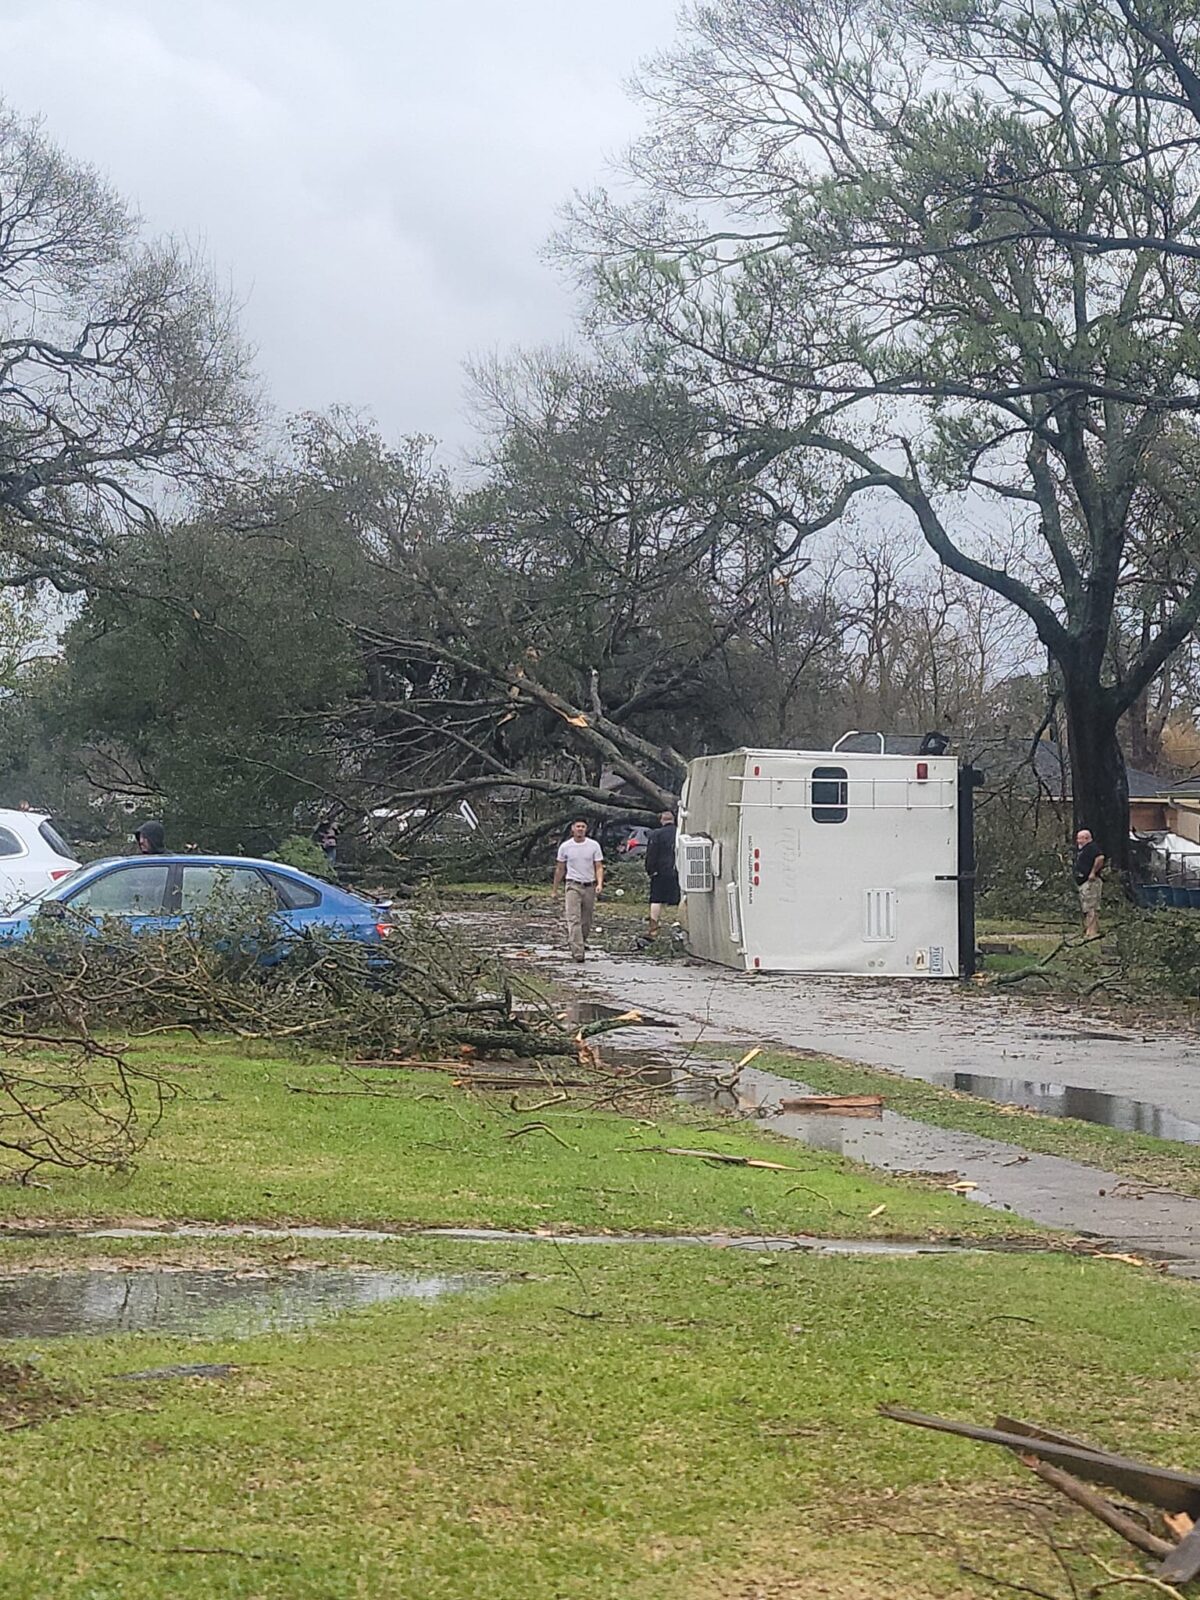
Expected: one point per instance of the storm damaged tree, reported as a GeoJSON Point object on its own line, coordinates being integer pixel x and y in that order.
{"type": "Point", "coordinates": [880, 232]}
{"type": "Point", "coordinates": [121, 372]}
{"type": "Point", "coordinates": [596, 610]}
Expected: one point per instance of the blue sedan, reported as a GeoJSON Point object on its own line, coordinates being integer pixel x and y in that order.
{"type": "Point", "coordinates": [162, 892]}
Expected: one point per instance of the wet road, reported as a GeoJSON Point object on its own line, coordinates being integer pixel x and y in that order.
{"type": "Point", "coordinates": [927, 1031]}
{"type": "Point", "coordinates": [917, 1028]}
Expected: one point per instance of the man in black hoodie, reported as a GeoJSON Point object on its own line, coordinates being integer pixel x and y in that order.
{"type": "Point", "coordinates": [660, 864]}
{"type": "Point", "coordinates": [150, 839]}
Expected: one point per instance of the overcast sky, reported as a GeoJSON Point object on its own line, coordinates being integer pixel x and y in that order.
{"type": "Point", "coordinates": [374, 178]}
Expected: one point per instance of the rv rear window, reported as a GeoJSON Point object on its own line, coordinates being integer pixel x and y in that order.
{"type": "Point", "coordinates": [830, 794]}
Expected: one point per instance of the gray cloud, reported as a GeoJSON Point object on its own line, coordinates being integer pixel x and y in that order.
{"type": "Point", "coordinates": [374, 179]}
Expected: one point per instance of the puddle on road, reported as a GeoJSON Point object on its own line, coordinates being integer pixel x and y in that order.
{"type": "Point", "coordinates": [882, 1139]}
{"type": "Point", "coordinates": [37, 1305]}
{"type": "Point", "coordinates": [1067, 1100]}
{"type": "Point", "coordinates": [582, 1012]}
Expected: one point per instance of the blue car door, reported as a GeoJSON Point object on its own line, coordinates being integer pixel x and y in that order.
{"type": "Point", "coordinates": [199, 887]}
{"type": "Point", "coordinates": [132, 893]}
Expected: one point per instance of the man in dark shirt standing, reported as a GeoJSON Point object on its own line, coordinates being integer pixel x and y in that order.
{"type": "Point", "coordinates": [660, 864]}
{"type": "Point", "coordinates": [1089, 864]}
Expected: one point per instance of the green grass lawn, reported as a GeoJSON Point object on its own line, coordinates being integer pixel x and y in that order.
{"type": "Point", "coordinates": [624, 1422]}
{"type": "Point", "coordinates": [238, 1143]}
{"type": "Point", "coordinates": [654, 1424]}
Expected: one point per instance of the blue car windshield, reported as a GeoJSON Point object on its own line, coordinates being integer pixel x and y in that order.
{"type": "Point", "coordinates": [52, 891]}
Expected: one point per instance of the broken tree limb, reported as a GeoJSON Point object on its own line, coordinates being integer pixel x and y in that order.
{"type": "Point", "coordinates": [539, 1127]}
{"type": "Point", "coordinates": [1131, 1531]}
{"type": "Point", "coordinates": [719, 1156]}
{"type": "Point", "coordinates": [496, 1080]}
{"type": "Point", "coordinates": [1163, 1487]}
{"type": "Point", "coordinates": [1119, 1580]}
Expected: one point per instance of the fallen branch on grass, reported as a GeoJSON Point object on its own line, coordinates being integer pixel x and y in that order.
{"type": "Point", "coordinates": [1117, 1580]}
{"type": "Point", "coordinates": [424, 999]}
{"type": "Point", "coordinates": [538, 1127]}
{"type": "Point", "coordinates": [192, 1549]}
{"type": "Point", "coordinates": [1103, 1510]}
{"type": "Point", "coordinates": [718, 1156]}
{"type": "Point", "coordinates": [802, 1188]}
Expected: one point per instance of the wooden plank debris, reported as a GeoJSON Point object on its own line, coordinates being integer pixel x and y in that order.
{"type": "Point", "coordinates": [1119, 1521]}
{"type": "Point", "coordinates": [1163, 1487]}
{"type": "Point", "coordinates": [847, 1104]}
{"type": "Point", "coordinates": [1034, 1430]}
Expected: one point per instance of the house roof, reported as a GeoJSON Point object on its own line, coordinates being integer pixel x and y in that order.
{"type": "Point", "coordinates": [1000, 758]}
{"type": "Point", "coordinates": [1144, 785]}
{"type": "Point", "coordinates": [1003, 758]}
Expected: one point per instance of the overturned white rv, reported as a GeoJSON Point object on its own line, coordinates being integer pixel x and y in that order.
{"type": "Point", "coordinates": [829, 861]}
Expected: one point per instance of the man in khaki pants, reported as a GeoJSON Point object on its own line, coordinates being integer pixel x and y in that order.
{"type": "Point", "coordinates": [1089, 864]}
{"type": "Point", "coordinates": [581, 863]}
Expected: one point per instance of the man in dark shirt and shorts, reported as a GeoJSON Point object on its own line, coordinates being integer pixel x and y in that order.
{"type": "Point", "coordinates": [1089, 864]}
{"type": "Point", "coordinates": [660, 864]}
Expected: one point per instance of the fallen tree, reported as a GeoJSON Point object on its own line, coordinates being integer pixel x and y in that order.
{"type": "Point", "coordinates": [77, 1012]}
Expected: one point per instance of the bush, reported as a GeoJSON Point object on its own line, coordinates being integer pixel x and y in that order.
{"type": "Point", "coordinates": [305, 855]}
{"type": "Point", "coordinates": [1161, 950]}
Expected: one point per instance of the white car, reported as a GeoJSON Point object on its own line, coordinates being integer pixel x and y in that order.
{"type": "Point", "coordinates": [33, 855]}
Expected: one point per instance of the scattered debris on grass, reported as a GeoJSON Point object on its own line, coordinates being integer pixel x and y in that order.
{"type": "Point", "coordinates": [718, 1156]}
{"type": "Point", "coordinates": [194, 1369]}
{"type": "Point", "coordinates": [26, 1398]}
{"type": "Point", "coordinates": [1174, 1494]}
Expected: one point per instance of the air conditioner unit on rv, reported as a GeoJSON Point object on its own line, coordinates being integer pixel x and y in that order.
{"type": "Point", "coordinates": [698, 866]}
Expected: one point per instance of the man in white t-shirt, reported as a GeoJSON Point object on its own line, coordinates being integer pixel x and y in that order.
{"type": "Point", "coordinates": [581, 864]}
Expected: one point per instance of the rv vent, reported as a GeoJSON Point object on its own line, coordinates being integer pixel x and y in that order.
{"type": "Point", "coordinates": [697, 866]}
{"type": "Point", "coordinates": [880, 921]}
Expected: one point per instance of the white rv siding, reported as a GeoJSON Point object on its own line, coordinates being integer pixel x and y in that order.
{"type": "Point", "coordinates": [827, 862]}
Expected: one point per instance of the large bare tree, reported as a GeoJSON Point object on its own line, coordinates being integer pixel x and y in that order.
{"type": "Point", "coordinates": [879, 232]}
{"type": "Point", "coordinates": [121, 372]}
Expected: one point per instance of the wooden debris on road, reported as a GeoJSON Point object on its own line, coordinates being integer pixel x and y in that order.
{"type": "Point", "coordinates": [854, 1105]}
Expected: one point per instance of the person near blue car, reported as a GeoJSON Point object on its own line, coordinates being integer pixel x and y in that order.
{"type": "Point", "coordinates": [325, 835]}
{"type": "Point", "coordinates": [151, 839]}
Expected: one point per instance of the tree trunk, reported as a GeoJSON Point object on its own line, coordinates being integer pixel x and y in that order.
{"type": "Point", "coordinates": [1099, 787]}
